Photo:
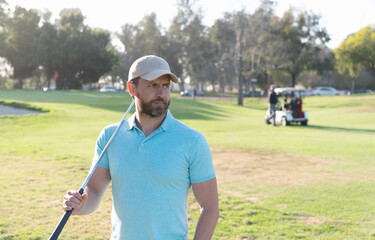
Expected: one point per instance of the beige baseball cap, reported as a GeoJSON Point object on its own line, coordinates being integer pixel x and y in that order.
{"type": "Point", "coordinates": [149, 68]}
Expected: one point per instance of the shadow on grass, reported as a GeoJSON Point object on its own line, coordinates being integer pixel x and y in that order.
{"type": "Point", "coordinates": [194, 109]}
{"type": "Point", "coordinates": [328, 128]}
{"type": "Point", "coordinates": [118, 102]}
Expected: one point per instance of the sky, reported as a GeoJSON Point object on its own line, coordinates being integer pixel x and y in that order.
{"type": "Point", "coordinates": [339, 17]}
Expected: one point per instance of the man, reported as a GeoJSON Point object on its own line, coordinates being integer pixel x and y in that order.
{"type": "Point", "coordinates": [152, 162]}
{"type": "Point", "coordinates": [272, 100]}
{"type": "Point", "coordinates": [293, 105]}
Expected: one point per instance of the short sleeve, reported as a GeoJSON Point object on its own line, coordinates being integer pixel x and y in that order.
{"type": "Point", "coordinates": [100, 144]}
{"type": "Point", "coordinates": [201, 166]}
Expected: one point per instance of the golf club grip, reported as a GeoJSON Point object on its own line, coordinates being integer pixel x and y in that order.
{"type": "Point", "coordinates": [62, 222]}
{"type": "Point", "coordinates": [61, 225]}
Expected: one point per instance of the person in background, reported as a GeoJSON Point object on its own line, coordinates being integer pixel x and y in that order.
{"type": "Point", "coordinates": [293, 104]}
{"type": "Point", "coordinates": [272, 100]}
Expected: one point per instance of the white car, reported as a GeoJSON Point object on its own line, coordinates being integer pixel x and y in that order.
{"type": "Point", "coordinates": [307, 92]}
{"type": "Point", "coordinates": [297, 92]}
{"type": "Point", "coordinates": [108, 88]}
{"type": "Point", "coordinates": [326, 91]}
{"type": "Point", "coordinates": [190, 92]}
{"type": "Point", "coordinates": [363, 91]}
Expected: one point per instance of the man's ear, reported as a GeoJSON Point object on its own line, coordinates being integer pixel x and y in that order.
{"type": "Point", "coordinates": [131, 88]}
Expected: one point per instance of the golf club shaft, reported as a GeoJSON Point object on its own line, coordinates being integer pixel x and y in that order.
{"type": "Point", "coordinates": [67, 214]}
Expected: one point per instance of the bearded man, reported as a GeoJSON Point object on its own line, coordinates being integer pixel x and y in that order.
{"type": "Point", "coordinates": [152, 162]}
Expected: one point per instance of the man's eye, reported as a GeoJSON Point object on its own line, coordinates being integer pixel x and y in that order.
{"type": "Point", "coordinates": [166, 86]}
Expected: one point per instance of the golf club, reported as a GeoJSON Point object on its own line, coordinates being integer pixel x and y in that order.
{"type": "Point", "coordinates": [67, 214]}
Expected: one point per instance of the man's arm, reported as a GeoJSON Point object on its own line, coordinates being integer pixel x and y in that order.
{"type": "Point", "coordinates": [92, 195]}
{"type": "Point", "coordinates": [206, 195]}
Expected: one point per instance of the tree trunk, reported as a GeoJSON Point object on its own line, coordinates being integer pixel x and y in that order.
{"type": "Point", "coordinates": [49, 82]}
{"type": "Point", "coordinates": [181, 84]}
{"type": "Point", "coordinates": [213, 86]}
{"type": "Point", "coordinates": [20, 83]}
{"type": "Point", "coordinates": [268, 84]}
{"type": "Point", "coordinates": [240, 83]}
{"type": "Point", "coordinates": [222, 86]}
{"type": "Point", "coordinates": [37, 83]}
{"type": "Point", "coordinates": [60, 82]}
{"type": "Point", "coordinates": [294, 77]}
{"type": "Point", "coordinates": [239, 64]}
{"type": "Point", "coordinates": [248, 85]}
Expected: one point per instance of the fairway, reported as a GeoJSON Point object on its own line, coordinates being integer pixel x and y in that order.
{"type": "Point", "coordinates": [295, 182]}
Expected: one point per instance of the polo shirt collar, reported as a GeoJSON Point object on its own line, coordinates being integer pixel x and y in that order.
{"type": "Point", "coordinates": [167, 121]}
{"type": "Point", "coordinates": [131, 122]}
{"type": "Point", "coordinates": [164, 126]}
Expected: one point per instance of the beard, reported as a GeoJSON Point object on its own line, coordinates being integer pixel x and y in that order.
{"type": "Point", "coordinates": [151, 111]}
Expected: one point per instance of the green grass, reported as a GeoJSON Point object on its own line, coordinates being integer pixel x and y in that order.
{"type": "Point", "coordinates": [313, 182]}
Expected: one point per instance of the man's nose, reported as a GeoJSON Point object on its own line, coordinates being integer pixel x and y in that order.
{"type": "Point", "coordinates": [161, 91]}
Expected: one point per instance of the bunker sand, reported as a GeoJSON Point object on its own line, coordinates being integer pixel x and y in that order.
{"type": "Point", "coordinates": [7, 110]}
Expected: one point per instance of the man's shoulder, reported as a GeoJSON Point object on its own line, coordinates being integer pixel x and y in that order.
{"type": "Point", "coordinates": [111, 128]}
{"type": "Point", "coordinates": [184, 127]}
{"type": "Point", "coordinates": [179, 127]}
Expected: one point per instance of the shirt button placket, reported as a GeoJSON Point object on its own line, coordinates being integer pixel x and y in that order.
{"type": "Point", "coordinates": [142, 142]}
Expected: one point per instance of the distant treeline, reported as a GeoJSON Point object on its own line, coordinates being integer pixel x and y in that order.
{"type": "Point", "coordinates": [240, 46]}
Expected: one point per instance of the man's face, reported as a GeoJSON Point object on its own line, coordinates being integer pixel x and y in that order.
{"type": "Point", "coordinates": [153, 96]}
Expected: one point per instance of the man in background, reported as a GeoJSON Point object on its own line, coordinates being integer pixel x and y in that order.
{"type": "Point", "coordinates": [272, 100]}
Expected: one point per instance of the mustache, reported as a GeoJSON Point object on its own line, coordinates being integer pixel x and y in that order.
{"type": "Point", "coordinates": [159, 100]}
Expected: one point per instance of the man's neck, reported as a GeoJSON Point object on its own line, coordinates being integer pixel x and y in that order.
{"type": "Point", "coordinates": [148, 124]}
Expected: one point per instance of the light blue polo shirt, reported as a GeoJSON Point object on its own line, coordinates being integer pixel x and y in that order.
{"type": "Point", "coordinates": [151, 177]}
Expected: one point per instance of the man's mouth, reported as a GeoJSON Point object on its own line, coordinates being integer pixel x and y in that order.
{"type": "Point", "coordinates": [159, 101]}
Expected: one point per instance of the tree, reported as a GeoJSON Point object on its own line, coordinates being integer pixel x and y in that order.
{"type": "Point", "coordinates": [83, 53]}
{"type": "Point", "coordinates": [189, 37]}
{"type": "Point", "coordinates": [240, 24]}
{"type": "Point", "coordinates": [48, 50]}
{"type": "Point", "coordinates": [199, 51]}
{"type": "Point", "coordinates": [210, 73]}
{"type": "Point", "coordinates": [300, 37]}
{"type": "Point", "coordinates": [265, 50]}
{"type": "Point", "coordinates": [357, 53]}
{"type": "Point", "coordinates": [3, 11]}
{"type": "Point", "coordinates": [3, 20]}
{"type": "Point", "coordinates": [69, 61]}
{"type": "Point", "coordinates": [97, 59]}
{"type": "Point", "coordinates": [222, 36]}
{"type": "Point", "coordinates": [144, 38]}
{"type": "Point", "coordinates": [176, 39]}
{"type": "Point", "coordinates": [21, 43]}
{"type": "Point", "coordinates": [324, 60]}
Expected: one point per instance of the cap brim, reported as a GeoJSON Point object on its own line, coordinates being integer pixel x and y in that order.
{"type": "Point", "coordinates": [155, 74]}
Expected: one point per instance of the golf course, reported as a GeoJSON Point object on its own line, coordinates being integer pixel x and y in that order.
{"type": "Point", "coordinates": [294, 182]}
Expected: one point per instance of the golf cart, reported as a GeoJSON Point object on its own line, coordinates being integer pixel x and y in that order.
{"type": "Point", "coordinates": [286, 116]}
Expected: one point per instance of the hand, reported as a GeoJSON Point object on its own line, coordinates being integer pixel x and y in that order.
{"type": "Point", "coordinates": [74, 199]}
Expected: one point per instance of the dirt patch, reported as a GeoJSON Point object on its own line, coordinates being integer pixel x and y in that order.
{"type": "Point", "coordinates": [238, 171]}
{"type": "Point", "coordinates": [252, 167]}
{"type": "Point", "coordinates": [7, 110]}
{"type": "Point", "coordinates": [314, 221]}
{"type": "Point", "coordinates": [238, 167]}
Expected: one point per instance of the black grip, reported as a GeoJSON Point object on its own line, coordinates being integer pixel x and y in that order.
{"type": "Point", "coordinates": [61, 225]}
{"type": "Point", "coordinates": [62, 222]}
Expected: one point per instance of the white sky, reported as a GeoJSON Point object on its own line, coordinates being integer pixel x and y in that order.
{"type": "Point", "coordinates": [340, 17]}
